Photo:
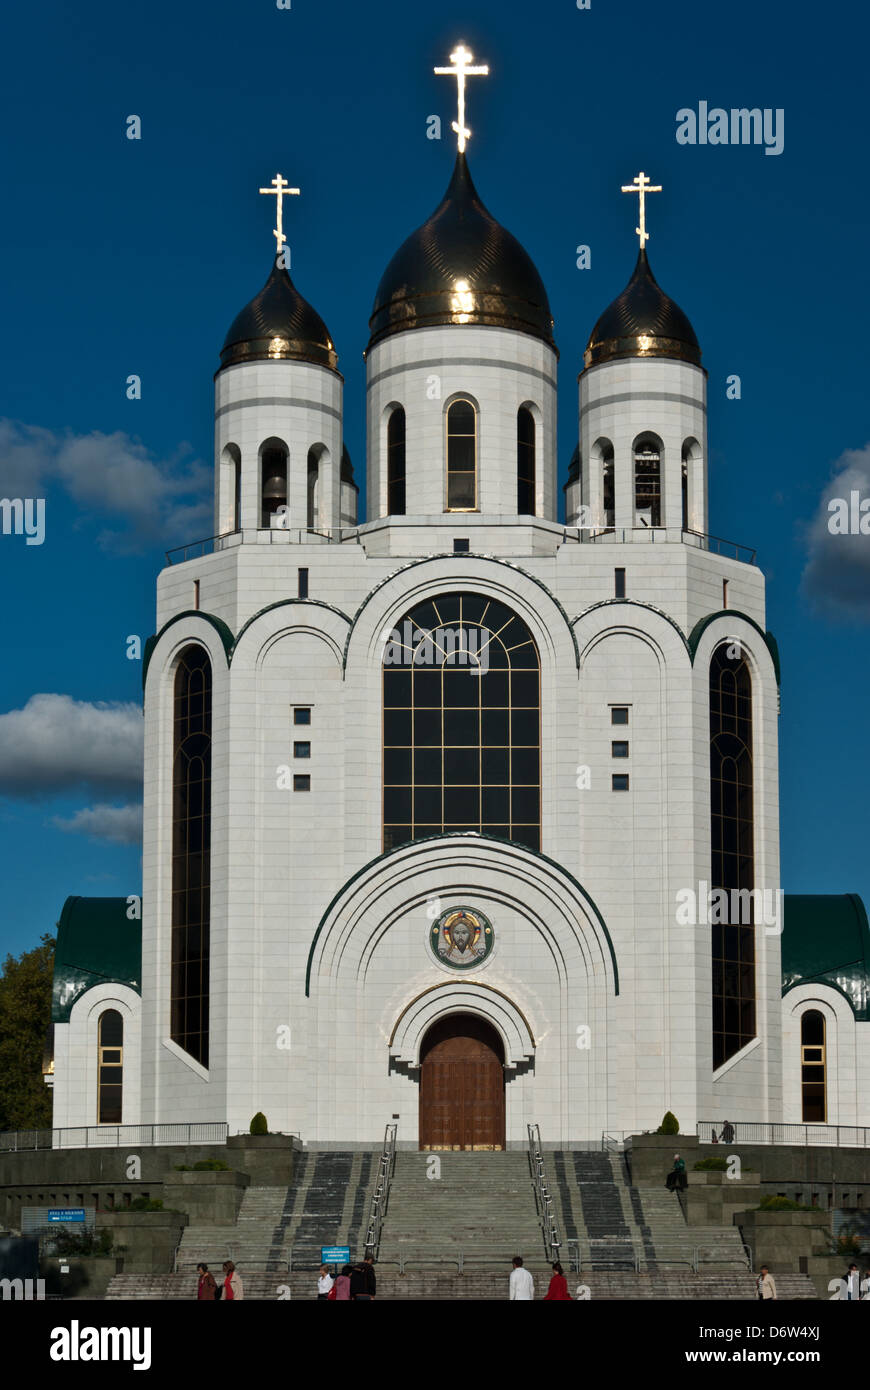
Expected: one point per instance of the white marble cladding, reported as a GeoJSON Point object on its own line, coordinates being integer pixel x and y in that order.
{"type": "Point", "coordinates": [499, 370]}
{"type": "Point", "coordinates": [280, 856]}
{"type": "Point", "coordinates": [298, 404]}
{"type": "Point", "coordinates": [629, 397]}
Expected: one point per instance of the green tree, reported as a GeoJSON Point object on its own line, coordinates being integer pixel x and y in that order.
{"type": "Point", "coordinates": [25, 1014]}
{"type": "Point", "coordinates": [669, 1125]}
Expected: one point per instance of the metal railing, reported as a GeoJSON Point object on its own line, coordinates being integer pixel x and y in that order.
{"type": "Point", "coordinates": [604, 1254]}
{"type": "Point", "coordinates": [740, 1132]}
{"type": "Point", "coordinates": [265, 535]}
{"type": "Point", "coordinates": [661, 535]}
{"type": "Point", "coordinates": [381, 1194]}
{"type": "Point", "coordinates": [113, 1136]}
{"type": "Point", "coordinates": [543, 1199]}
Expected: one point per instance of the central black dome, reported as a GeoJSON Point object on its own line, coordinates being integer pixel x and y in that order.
{"type": "Point", "coordinates": [642, 322]}
{"type": "Point", "coordinates": [278, 323]}
{"type": "Point", "coordinates": [461, 266]}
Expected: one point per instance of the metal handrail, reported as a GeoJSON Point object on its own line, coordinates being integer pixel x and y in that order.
{"type": "Point", "coordinates": [114, 1136]}
{"type": "Point", "coordinates": [225, 540]}
{"type": "Point", "coordinates": [543, 1200]}
{"type": "Point", "coordinates": [702, 540]}
{"type": "Point", "coordinates": [750, 1132]}
{"type": "Point", "coordinates": [381, 1194]}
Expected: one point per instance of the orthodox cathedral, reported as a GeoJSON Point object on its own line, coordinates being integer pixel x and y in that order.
{"type": "Point", "coordinates": [462, 816]}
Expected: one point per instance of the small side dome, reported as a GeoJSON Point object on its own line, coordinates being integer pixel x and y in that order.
{"type": "Point", "coordinates": [461, 266]}
{"type": "Point", "coordinates": [642, 322]}
{"type": "Point", "coordinates": [278, 323]}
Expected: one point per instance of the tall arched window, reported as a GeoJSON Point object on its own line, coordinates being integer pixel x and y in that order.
{"type": "Point", "coordinates": [110, 1072]}
{"type": "Point", "coordinates": [191, 852]}
{"type": "Point", "coordinates": [237, 495]}
{"type": "Point", "coordinates": [461, 682]}
{"type": "Point", "coordinates": [684, 484]}
{"type": "Point", "coordinates": [608, 492]}
{"type": "Point", "coordinates": [313, 494]}
{"type": "Point", "coordinates": [525, 462]}
{"type": "Point", "coordinates": [273, 475]}
{"type": "Point", "coordinates": [396, 463]}
{"type": "Point", "coordinates": [461, 457]}
{"type": "Point", "coordinates": [647, 483]}
{"type": "Point", "coordinates": [733, 851]}
{"type": "Point", "coordinates": [813, 1068]}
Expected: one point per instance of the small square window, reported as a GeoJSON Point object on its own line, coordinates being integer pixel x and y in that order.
{"type": "Point", "coordinates": [301, 784]}
{"type": "Point", "coordinates": [302, 750]}
{"type": "Point", "coordinates": [618, 714]}
{"type": "Point", "coordinates": [460, 545]}
{"type": "Point", "coordinates": [301, 715]}
{"type": "Point", "coordinates": [619, 782]}
{"type": "Point", "coordinates": [619, 749]}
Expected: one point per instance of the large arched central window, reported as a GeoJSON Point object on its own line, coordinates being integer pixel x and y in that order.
{"type": "Point", "coordinates": [461, 457]}
{"type": "Point", "coordinates": [191, 853]}
{"type": "Point", "coordinates": [733, 853]}
{"type": "Point", "coordinates": [461, 681]}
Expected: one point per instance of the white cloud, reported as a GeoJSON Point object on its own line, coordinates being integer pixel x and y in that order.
{"type": "Point", "coordinates": [122, 825]}
{"type": "Point", "coordinates": [110, 475]}
{"type": "Point", "coordinates": [56, 743]}
{"type": "Point", "coordinates": [837, 574]}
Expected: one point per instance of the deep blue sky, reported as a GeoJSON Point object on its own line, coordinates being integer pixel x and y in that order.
{"type": "Point", "coordinates": [126, 257]}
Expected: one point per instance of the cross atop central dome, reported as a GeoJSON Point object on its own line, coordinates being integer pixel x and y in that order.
{"type": "Point", "coordinates": [461, 266]}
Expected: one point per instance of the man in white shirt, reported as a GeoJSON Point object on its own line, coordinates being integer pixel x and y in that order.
{"type": "Point", "coordinates": [324, 1283]}
{"type": "Point", "coordinates": [852, 1292]}
{"type": "Point", "coordinates": [522, 1283]}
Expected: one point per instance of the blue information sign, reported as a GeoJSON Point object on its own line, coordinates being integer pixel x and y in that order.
{"type": "Point", "coordinates": [335, 1254]}
{"type": "Point", "coordinates": [66, 1213]}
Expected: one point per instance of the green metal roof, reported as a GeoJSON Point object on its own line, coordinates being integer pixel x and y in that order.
{"type": "Point", "coordinates": [826, 941]}
{"type": "Point", "coordinates": [96, 942]}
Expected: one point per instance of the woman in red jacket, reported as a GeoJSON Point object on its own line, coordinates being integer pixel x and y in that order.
{"type": "Point", "coordinates": [558, 1290]}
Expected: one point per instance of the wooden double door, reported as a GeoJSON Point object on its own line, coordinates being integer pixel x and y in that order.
{"type": "Point", "coordinates": [462, 1085]}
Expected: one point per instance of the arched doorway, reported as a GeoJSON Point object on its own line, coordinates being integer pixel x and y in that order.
{"type": "Point", "coordinates": [462, 1085]}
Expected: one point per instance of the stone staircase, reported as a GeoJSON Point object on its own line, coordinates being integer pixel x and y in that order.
{"type": "Point", "coordinates": [482, 1207]}
{"type": "Point", "coordinates": [423, 1286]}
{"type": "Point", "coordinates": [328, 1204]}
{"type": "Point", "coordinates": [620, 1227]}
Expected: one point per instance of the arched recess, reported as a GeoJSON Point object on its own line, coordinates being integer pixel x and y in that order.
{"type": "Point", "coordinates": [461, 454]}
{"type": "Point", "coordinates": [603, 483]}
{"type": "Point", "coordinates": [316, 476]}
{"type": "Point", "coordinates": [461, 996]}
{"type": "Point", "coordinates": [842, 1088]}
{"type": "Point", "coordinates": [396, 461]}
{"type": "Point", "coordinates": [692, 485]}
{"type": "Point", "coordinates": [273, 474]}
{"type": "Point", "coordinates": [528, 455]}
{"type": "Point", "coordinates": [230, 519]}
{"type": "Point", "coordinates": [648, 461]}
{"type": "Point", "coordinates": [79, 1103]}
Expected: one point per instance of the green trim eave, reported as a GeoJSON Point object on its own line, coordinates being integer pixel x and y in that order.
{"type": "Point", "coordinates": [97, 943]}
{"type": "Point", "coordinates": [468, 555]}
{"type": "Point", "coordinates": [282, 603]}
{"type": "Point", "coordinates": [220, 627]}
{"type": "Point", "coordinates": [769, 640]}
{"type": "Point", "coordinates": [636, 603]}
{"type": "Point", "coordinates": [826, 942]}
{"type": "Point", "coordinates": [476, 839]}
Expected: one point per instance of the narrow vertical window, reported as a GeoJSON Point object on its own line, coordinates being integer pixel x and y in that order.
{"type": "Point", "coordinates": [396, 463]}
{"type": "Point", "coordinates": [619, 583]}
{"type": "Point", "coordinates": [813, 1068]}
{"type": "Point", "coordinates": [525, 462]}
{"type": "Point", "coordinates": [313, 493]}
{"type": "Point", "coordinates": [237, 495]}
{"type": "Point", "coordinates": [273, 471]}
{"type": "Point", "coordinates": [684, 484]}
{"type": "Point", "coordinates": [191, 853]}
{"type": "Point", "coordinates": [608, 492]}
{"type": "Point", "coordinates": [647, 484]}
{"type": "Point", "coordinates": [110, 1074]}
{"type": "Point", "coordinates": [302, 583]}
{"type": "Point", "coordinates": [732, 852]}
{"type": "Point", "coordinates": [461, 457]}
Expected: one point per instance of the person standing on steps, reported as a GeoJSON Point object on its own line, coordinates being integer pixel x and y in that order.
{"type": "Point", "coordinates": [342, 1285]}
{"type": "Point", "coordinates": [207, 1287]}
{"type": "Point", "coordinates": [233, 1289]}
{"type": "Point", "coordinates": [676, 1180]}
{"type": "Point", "coordinates": [852, 1281]}
{"type": "Point", "coordinates": [558, 1290]}
{"type": "Point", "coordinates": [325, 1282]}
{"type": "Point", "coordinates": [764, 1284]}
{"type": "Point", "coordinates": [522, 1285]}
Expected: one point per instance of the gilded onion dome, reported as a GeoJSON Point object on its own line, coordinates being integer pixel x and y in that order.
{"type": "Point", "coordinates": [461, 266]}
{"type": "Point", "coordinates": [278, 323]}
{"type": "Point", "coordinates": [642, 322]}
